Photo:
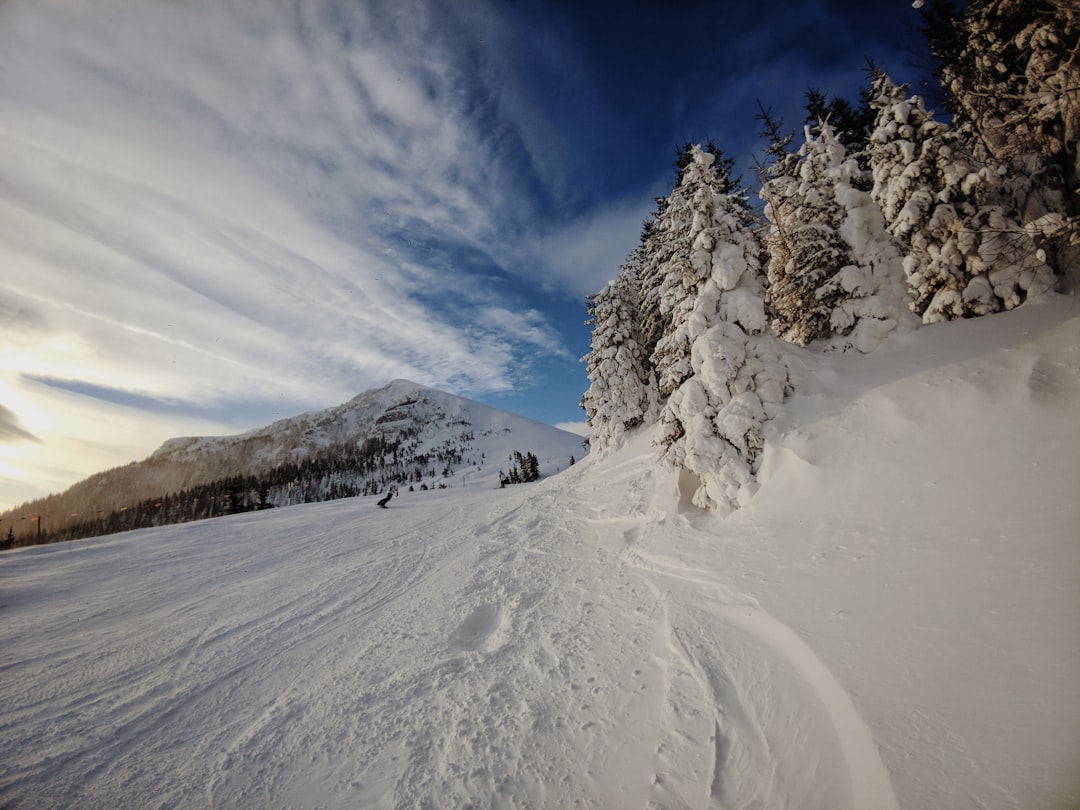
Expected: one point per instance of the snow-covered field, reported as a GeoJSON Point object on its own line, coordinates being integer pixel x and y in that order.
{"type": "Point", "coordinates": [893, 621]}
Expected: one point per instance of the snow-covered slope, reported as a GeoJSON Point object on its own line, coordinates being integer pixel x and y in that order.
{"type": "Point", "coordinates": [421, 421]}
{"type": "Point", "coordinates": [400, 431]}
{"type": "Point", "coordinates": [892, 621]}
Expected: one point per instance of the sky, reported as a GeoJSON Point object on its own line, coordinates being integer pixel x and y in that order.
{"type": "Point", "coordinates": [217, 214]}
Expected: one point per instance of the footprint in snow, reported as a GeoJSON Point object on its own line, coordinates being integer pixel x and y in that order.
{"type": "Point", "coordinates": [475, 633]}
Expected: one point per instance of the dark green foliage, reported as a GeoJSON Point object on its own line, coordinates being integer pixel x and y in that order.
{"type": "Point", "coordinates": [778, 140]}
{"type": "Point", "coordinates": [853, 125]}
{"type": "Point", "coordinates": [525, 468]}
{"type": "Point", "coordinates": [942, 30]}
{"type": "Point", "coordinates": [343, 471]}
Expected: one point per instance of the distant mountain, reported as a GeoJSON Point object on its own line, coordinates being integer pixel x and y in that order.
{"type": "Point", "coordinates": [403, 434]}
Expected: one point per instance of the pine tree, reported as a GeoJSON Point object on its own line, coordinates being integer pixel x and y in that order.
{"type": "Point", "coordinates": [954, 210]}
{"type": "Point", "coordinates": [702, 214]}
{"type": "Point", "coordinates": [660, 243]}
{"type": "Point", "coordinates": [805, 249]}
{"type": "Point", "coordinates": [1012, 72]}
{"type": "Point", "coordinates": [532, 467]}
{"type": "Point", "coordinates": [724, 376]}
{"type": "Point", "coordinates": [779, 184]}
{"type": "Point", "coordinates": [852, 125]}
{"type": "Point", "coordinates": [834, 269]}
{"type": "Point", "coordinates": [616, 400]}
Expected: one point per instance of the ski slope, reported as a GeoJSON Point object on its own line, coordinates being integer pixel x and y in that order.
{"type": "Point", "coordinates": [893, 621]}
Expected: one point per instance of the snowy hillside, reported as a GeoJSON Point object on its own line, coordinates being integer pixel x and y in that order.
{"type": "Point", "coordinates": [399, 410]}
{"type": "Point", "coordinates": [402, 434]}
{"type": "Point", "coordinates": [463, 438]}
{"type": "Point", "coordinates": [891, 621]}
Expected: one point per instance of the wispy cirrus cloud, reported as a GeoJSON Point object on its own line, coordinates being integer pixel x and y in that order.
{"type": "Point", "coordinates": [584, 254]}
{"type": "Point", "coordinates": [11, 430]}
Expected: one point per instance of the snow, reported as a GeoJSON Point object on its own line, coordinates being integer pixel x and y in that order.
{"type": "Point", "coordinates": [890, 621]}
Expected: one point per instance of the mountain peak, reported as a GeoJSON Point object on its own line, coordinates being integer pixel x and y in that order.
{"type": "Point", "coordinates": [400, 384]}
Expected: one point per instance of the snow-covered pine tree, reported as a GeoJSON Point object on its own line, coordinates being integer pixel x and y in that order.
{"type": "Point", "coordinates": [833, 268]}
{"type": "Point", "coordinates": [1011, 69]}
{"type": "Point", "coordinates": [723, 375]}
{"type": "Point", "coordinates": [954, 211]}
{"type": "Point", "coordinates": [1011, 72]}
{"type": "Point", "coordinates": [663, 238]}
{"type": "Point", "coordinates": [844, 277]}
{"type": "Point", "coordinates": [648, 260]}
{"type": "Point", "coordinates": [651, 256]}
{"type": "Point", "coordinates": [616, 399]}
{"type": "Point", "coordinates": [805, 250]}
{"type": "Point", "coordinates": [852, 125]}
{"type": "Point", "coordinates": [779, 174]}
{"type": "Point", "coordinates": [702, 208]}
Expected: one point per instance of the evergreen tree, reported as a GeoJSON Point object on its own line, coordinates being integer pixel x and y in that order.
{"type": "Point", "coordinates": [852, 125]}
{"type": "Point", "coordinates": [834, 269]}
{"type": "Point", "coordinates": [955, 211]}
{"type": "Point", "coordinates": [723, 375]}
{"type": "Point", "coordinates": [805, 249]}
{"type": "Point", "coordinates": [659, 245]}
{"type": "Point", "coordinates": [1011, 69]}
{"type": "Point", "coordinates": [697, 259]}
{"type": "Point", "coordinates": [616, 399]}
{"type": "Point", "coordinates": [942, 37]}
{"type": "Point", "coordinates": [532, 467]}
{"type": "Point", "coordinates": [778, 176]}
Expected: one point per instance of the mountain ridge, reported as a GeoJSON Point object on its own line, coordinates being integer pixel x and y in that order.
{"type": "Point", "coordinates": [396, 393]}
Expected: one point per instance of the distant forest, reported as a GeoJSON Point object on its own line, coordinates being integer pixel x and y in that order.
{"type": "Point", "coordinates": [341, 471]}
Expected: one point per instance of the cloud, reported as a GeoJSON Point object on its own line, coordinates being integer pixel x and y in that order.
{"type": "Point", "coordinates": [216, 204]}
{"type": "Point", "coordinates": [587, 252]}
{"type": "Point", "coordinates": [11, 430]}
{"type": "Point", "coordinates": [79, 435]}
{"type": "Point", "coordinates": [528, 327]}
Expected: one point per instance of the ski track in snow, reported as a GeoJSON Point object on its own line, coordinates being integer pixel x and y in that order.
{"type": "Point", "coordinates": [743, 682]}
{"type": "Point", "coordinates": [393, 659]}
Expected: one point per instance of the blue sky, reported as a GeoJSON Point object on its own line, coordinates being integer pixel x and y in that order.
{"type": "Point", "coordinates": [216, 214]}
